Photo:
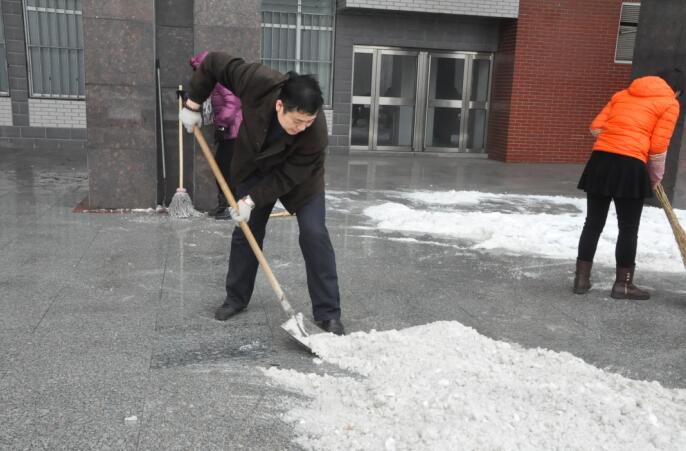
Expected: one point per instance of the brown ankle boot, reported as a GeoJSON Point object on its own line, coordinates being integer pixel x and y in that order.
{"type": "Point", "coordinates": [624, 287]}
{"type": "Point", "coordinates": [582, 278]}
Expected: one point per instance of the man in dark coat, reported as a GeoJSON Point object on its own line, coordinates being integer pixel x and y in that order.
{"type": "Point", "coordinates": [279, 154]}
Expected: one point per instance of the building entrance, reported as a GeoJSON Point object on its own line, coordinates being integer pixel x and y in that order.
{"type": "Point", "coordinates": [415, 100]}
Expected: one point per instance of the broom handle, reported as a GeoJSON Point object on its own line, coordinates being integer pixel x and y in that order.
{"type": "Point", "coordinates": [180, 140]}
{"type": "Point", "coordinates": [285, 305]}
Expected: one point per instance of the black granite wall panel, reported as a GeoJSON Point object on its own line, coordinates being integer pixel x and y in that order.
{"type": "Point", "coordinates": [174, 47]}
{"type": "Point", "coordinates": [660, 44]}
{"type": "Point", "coordinates": [396, 29]}
{"type": "Point", "coordinates": [120, 110]}
{"type": "Point", "coordinates": [231, 26]}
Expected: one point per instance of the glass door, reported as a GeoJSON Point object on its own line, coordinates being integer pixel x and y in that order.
{"type": "Point", "coordinates": [420, 100]}
{"type": "Point", "coordinates": [444, 102]}
{"type": "Point", "coordinates": [384, 98]}
{"type": "Point", "coordinates": [360, 125]}
{"type": "Point", "coordinates": [457, 102]}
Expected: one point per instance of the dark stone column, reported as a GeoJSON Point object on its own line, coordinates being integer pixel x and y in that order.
{"type": "Point", "coordinates": [120, 107]}
{"type": "Point", "coordinates": [174, 46]}
{"type": "Point", "coordinates": [661, 44]}
{"type": "Point", "coordinates": [231, 26]}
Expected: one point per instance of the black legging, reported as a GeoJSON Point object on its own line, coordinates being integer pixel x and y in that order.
{"type": "Point", "coordinates": [223, 157]}
{"type": "Point", "coordinates": [628, 219]}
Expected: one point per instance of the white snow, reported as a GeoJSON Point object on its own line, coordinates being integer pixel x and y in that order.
{"type": "Point", "coordinates": [131, 420]}
{"type": "Point", "coordinates": [547, 226]}
{"type": "Point", "coordinates": [443, 386]}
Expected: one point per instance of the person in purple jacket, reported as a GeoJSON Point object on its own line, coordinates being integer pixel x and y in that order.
{"type": "Point", "coordinates": [226, 108]}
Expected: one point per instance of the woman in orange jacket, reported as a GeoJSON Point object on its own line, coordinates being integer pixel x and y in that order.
{"type": "Point", "coordinates": [628, 160]}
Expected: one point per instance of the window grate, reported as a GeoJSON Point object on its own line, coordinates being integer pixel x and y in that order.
{"type": "Point", "coordinates": [626, 36]}
{"type": "Point", "coordinates": [54, 41]}
{"type": "Point", "coordinates": [298, 35]}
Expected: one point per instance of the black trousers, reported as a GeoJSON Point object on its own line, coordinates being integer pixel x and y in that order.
{"type": "Point", "coordinates": [315, 244]}
{"type": "Point", "coordinates": [223, 156]}
{"type": "Point", "coordinates": [628, 219]}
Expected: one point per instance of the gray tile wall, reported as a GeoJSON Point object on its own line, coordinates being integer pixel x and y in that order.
{"type": "Point", "coordinates": [120, 88]}
{"type": "Point", "coordinates": [18, 132]}
{"type": "Point", "coordinates": [491, 8]}
{"type": "Point", "coordinates": [395, 29]}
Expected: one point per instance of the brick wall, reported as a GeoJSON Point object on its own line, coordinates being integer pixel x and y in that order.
{"type": "Point", "coordinates": [554, 71]}
{"type": "Point", "coordinates": [490, 8]}
{"type": "Point", "coordinates": [57, 113]}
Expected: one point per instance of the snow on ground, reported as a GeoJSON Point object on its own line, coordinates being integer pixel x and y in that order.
{"type": "Point", "coordinates": [548, 226]}
{"type": "Point", "coordinates": [443, 386]}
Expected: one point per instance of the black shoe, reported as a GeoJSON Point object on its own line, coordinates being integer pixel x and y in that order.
{"type": "Point", "coordinates": [226, 311]}
{"type": "Point", "coordinates": [335, 326]}
{"type": "Point", "coordinates": [223, 215]}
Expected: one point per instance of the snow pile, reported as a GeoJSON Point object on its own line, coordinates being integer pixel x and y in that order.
{"type": "Point", "coordinates": [443, 386]}
{"type": "Point", "coordinates": [548, 226]}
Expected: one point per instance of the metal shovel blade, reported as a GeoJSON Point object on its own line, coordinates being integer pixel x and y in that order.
{"type": "Point", "coordinates": [295, 326]}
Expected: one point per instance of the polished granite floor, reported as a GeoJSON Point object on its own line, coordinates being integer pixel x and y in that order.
{"type": "Point", "coordinates": [104, 317]}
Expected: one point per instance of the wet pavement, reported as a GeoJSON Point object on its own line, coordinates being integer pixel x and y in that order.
{"type": "Point", "coordinates": [104, 317]}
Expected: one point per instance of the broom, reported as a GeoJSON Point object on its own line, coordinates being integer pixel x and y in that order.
{"type": "Point", "coordinates": [679, 233]}
{"type": "Point", "coordinates": [181, 205]}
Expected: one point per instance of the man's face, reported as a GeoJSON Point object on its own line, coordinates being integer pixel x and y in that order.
{"type": "Point", "coordinates": [295, 121]}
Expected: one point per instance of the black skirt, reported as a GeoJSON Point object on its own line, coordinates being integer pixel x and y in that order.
{"type": "Point", "coordinates": [614, 175]}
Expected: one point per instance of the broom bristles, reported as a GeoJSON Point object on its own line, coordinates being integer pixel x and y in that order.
{"type": "Point", "coordinates": [679, 233]}
{"type": "Point", "coordinates": [181, 205]}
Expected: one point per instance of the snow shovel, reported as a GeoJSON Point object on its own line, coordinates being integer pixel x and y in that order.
{"type": "Point", "coordinates": [295, 326]}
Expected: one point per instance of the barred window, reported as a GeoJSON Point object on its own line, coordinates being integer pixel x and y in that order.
{"type": "Point", "coordinates": [54, 40]}
{"type": "Point", "coordinates": [626, 37]}
{"type": "Point", "coordinates": [298, 35]}
{"type": "Point", "coordinates": [4, 80]}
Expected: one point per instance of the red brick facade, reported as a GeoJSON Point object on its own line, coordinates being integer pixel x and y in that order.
{"type": "Point", "coordinates": [553, 72]}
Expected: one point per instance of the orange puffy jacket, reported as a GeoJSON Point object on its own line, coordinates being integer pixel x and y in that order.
{"type": "Point", "coordinates": [638, 121]}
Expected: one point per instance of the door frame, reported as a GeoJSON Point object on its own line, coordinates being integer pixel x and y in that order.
{"type": "Point", "coordinates": [421, 103]}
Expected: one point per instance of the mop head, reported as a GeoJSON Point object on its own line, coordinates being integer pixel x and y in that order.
{"type": "Point", "coordinates": [181, 205]}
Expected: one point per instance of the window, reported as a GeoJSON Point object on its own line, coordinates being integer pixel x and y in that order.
{"type": "Point", "coordinates": [298, 35]}
{"type": "Point", "coordinates": [628, 24]}
{"type": "Point", "coordinates": [4, 80]}
{"type": "Point", "coordinates": [54, 41]}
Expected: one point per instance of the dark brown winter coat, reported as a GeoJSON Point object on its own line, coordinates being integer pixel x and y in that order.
{"type": "Point", "coordinates": [292, 168]}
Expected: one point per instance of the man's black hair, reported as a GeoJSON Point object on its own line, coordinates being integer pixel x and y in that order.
{"type": "Point", "coordinates": [301, 93]}
{"type": "Point", "coordinates": [674, 78]}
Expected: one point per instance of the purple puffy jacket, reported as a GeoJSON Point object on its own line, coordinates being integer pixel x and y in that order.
{"type": "Point", "coordinates": [225, 105]}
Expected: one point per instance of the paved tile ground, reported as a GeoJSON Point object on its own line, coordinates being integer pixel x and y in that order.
{"type": "Point", "coordinates": [107, 316]}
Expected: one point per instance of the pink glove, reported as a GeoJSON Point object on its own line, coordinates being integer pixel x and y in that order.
{"type": "Point", "coordinates": [656, 168]}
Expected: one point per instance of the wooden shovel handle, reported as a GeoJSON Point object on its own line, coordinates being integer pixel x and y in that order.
{"type": "Point", "coordinates": [244, 225]}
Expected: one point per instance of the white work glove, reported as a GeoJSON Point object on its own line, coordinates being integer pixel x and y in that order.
{"type": "Point", "coordinates": [245, 207]}
{"type": "Point", "coordinates": [190, 119]}
{"type": "Point", "coordinates": [656, 168]}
